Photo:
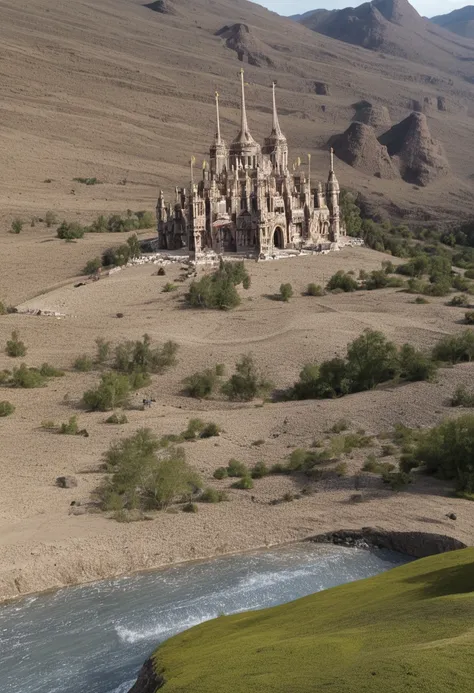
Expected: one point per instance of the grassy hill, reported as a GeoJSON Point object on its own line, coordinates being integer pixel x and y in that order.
{"type": "Point", "coordinates": [410, 629]}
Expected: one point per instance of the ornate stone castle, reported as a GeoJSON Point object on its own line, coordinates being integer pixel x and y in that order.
{"type": "Point", "coordinates": [249, 201]}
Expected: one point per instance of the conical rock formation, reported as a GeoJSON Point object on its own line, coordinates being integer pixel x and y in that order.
{"type": "Point", "coordinates": [420, 157]}
{"type": "Point", "coordinates": [249, 48]}
{"type": "Point", "coordinates": [358, 146]}
{"type": "Point", "coordinates": [374, 115]}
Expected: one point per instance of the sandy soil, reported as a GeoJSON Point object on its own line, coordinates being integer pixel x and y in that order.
{"type": "Point", "coordinates": [42, 545]}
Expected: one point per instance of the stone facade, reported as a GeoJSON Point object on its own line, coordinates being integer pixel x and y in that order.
{"type": "Point", "coordinates": [248, 201]}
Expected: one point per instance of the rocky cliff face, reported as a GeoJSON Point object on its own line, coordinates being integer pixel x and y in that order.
{"type": "Point", "coordinates": [148, 680]}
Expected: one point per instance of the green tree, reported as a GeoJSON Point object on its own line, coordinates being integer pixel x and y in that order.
{"type": "Point", "coordinates": [371, 359]}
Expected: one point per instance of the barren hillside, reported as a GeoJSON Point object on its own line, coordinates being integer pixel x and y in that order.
{"type": "Point", "coordinates": [122, 91]}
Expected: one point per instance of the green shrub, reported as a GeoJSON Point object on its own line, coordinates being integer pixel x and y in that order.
{"type": "Point", "coordinates": [211, 495]}
{"type": "Point", "coordinates": [301, 460]}
{"type": "Point", "coordinates": [83, 363]}
{"type": "Point", "coordinates": [48, 425]}
{"type": "Point", "coordinates": [71, 428]}
{"type": "Point", "coordinates": [15, 347]}
{"type": "Point", "coordinates": [462, 397]}
{"type": "Point", "coordinates": [397, 480]}
{"type": "Point", "coordinates": [259, 471]}
{"type": "Point", "coordinates": [92, 266]}
{"type": "Point", "coordinates": [103, 350]}
{"type": "Point", "coordinates": [372, 464]}
{"type": "Point", "coordinates": [388, 450]}
{"type": "Point", "coordinates": [420, 300]}
{"type": "Point", "coordinates": [388, 267]}
{"type": "Point", "coordinates": [219, 369]}
{"type": "Point", "coordinates": [371, 359]}
{"type": "Point", "coordinates": [236, 469]}
{"type": "Point", "coordinates": [201, 385]}
{"type": "Point", "coordinates": [3, 310]}
{"type": "Point", "coordinates": [258, 443]}
{"type": "Point", "coordinates": [190, 508]}
{"type": "Point", "coordinates": [6, 408]}
{"type": "Point", "coordinates": [340, 426]}
{"type": "Point", "coordinates": [314, 290]}
{"type": "Point", "coordinates": [112, 392]}
{"type": "Point", "coordinates": [341, 469]}
{"type": "Point", "coordinates": [142, 479]}
{"type": "Point", "coordinates": [141, 357]}
{"type": "Point", "coordinates": [50, 219]}
{"type": "Point", "coordinates": [210, 430]}
{"type": "Point", "coordinates": [70, 231]}
{"type": "Point", "coordinates": [469, 274]}
{"type": "Point", "coordinates": [460, 283]}
{"type": "Point", "coordinates": [247, 383]}
{"type": "Point", "coordinates": [459, 300]}
{"type": "Point", "coordinates": [343, 281]}
{"type": "Point", "coordinates": [447, 450]}
{"type": "Point", "coordinates": [246, 482]}
{"type": "Point", "coordinates": [17, 226]}
{"type": "Point", "coordinates": [169, 287]}
{"type": "Point", "coordinates": [116, 419]}
{"type": "Point", "coordinates": [87, 181]}
{"type": "Point", "coordinates": [194, 429]}
{"type": "Point", "coordinates": [469, 317]}
{"type": "Point", "coordinates": [455, 348]}
{"type": "Point", "coordinates": [414, 365]}
{"type": "Point", "coordinates": [286, 292]}
{"type": "Point", "coordinates": [218, 291]}
{"type": "Point", "coordinates": [220, 473]}
{"type": "Point", "coordinates": [49, 371]}
{"type": "Point", "coordinates": [27, 378]}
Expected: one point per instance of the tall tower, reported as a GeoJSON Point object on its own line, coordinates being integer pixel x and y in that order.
{"type": "Point", "coordinates": [276, 145]}
{"type": "Point", "coordinates": [332, 199]}
{"type": "Point", "coordinates": [244, 151]}
{"type": "Point", "coordinates": [219, 154]}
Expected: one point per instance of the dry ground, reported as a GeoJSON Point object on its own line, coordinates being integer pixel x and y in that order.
{"type": "Point", "coordinates": [42, 545]}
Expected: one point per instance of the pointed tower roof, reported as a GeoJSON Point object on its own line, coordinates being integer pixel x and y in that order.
{"type": "Point", "coordinates": [219, 142]}
{"type": "Point", "coordinates": [244, 137]}
{"type": "Point", "coordinates": [333, 183]}
{"type": "Point", "coordinates": [276, 133]}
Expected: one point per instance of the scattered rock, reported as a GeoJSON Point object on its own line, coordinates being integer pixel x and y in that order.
{"type": "Point", "coordinates": [322, 89]}
{"type": "Point", "coordinates": [77, 510]}
{"type": "Point", "coordinates": [66, 482]}
{"type": "Point", "coordinates": [161, 6]}
{"type": "Point", "coordinates": [119, 315]}
{"type": "Point", "coordinates": [161, 272]}
{"type": "Point", "coordinates": [452, 516]}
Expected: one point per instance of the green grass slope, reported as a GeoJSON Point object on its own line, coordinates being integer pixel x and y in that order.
{"type": "Point", "coordinates": [410, 629]}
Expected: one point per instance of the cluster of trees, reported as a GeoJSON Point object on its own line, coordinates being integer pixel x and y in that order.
{"type": "Point", "coordinates": [132, 364]}
{"type": "Point", "coordinates": [218, 290]}
{"type": "Point", "coordinates": [371, 359]}
{"type": "Point", "coordinates": [246, 383]}
{"type": "Point", "coordinates": [115, 223]}
{"type": "Point", "coordinates": [115, 257]}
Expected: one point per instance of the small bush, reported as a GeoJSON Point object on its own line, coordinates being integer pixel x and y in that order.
{"type": "Point", "coordinates": [342, 281]}
{"type": "Point", "coordinates": [70, 231]}
{"type": "Point", "coordinates": [397, 480]}
{"type": "Point", "coordinates": [210, 430]}
{"type": "Point", "coordinates": [469, 317]}
{"type": "Point", "coordinates": [92, 266]}
{"type": "Point", "coordinates": [112, 392]}
{"type": "Point", "coordinates": [48, 425]}
{"type": "Point", "coordinates": [455, 348]}
{"type": "Point", "coordinates": [258, 443]}
{"type": "Point", "coordinates": [169, 287]}
{"type": "Point", "coordinates": [247, 383]}
{"type": "Point", "coordinates": [17, 226]}
{"type": "Point", "coordinates": [219, 369]}
{"type": "Point", "coordinates": [71, 428]}
{"type": "Point", "coordinates": [6, 408]}
{"type": "Point", "coordinates": [15, 347]}
{"type": "Point", "coordinates": [194, 429]}
{"type": "Point", "coordinates": [201, 385]}
{"type": "Point", "coordinates": [259, 471]}
{"type": "Point", "coordinates": [246, 482]}
{"type": "Point", "coordinates": [87, 181]}
{"type": "Point", "coordinates": [462, 397]}
{"type": "Point", "coordinates": [340, 426]}
{"type": "Point", "coordinates": [27, 378]}
{"type": "Point", "coordinates": [372, 464]}
{"type": "Point", "coordinates": [50, 219]}
{"type": "Point", "coordinates": [116, 419]}
{"type": "Point", "coordinates": [237, 469]}
{"type": "Point", "coordinates": [83, 363]}
{"type": "Point", "coordinates": [49, 371]}
{"type": "Point", "coordinates": [459, 300]}
{"type": "Point", "coordinates": [218, 291]}
{"type": "Point", "coordinates": [341, 469]}
{"type": "Point", "coordinates": [220, 473]}
{"type": "Point", "coordinates": [286, 292]}
{"type": "Point", "coordinates": [103, 350]}
{"type": "Point", "coordinates": [421, 301]}
{"type": "Point", "coordinates": [190, 508]}
{"type": "Point", "coordinates": [388, 450]}
{"type": "Point", "coordinates": [314, 290]}
{"type": "Point", "coordinates": [211, 495]}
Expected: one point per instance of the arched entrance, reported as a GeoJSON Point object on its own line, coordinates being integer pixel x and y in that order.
{"type": "Point", "coordinates": [278, 238]}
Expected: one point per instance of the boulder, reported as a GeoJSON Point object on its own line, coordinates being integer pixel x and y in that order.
{"type": "Point", "coordinates": [66, 482]}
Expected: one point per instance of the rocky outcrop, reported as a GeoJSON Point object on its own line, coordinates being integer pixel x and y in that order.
{"type": "Point", "coordinates": [414, 544]}
{"type": "Point", "coordinates": [161, 6]}
{"type": "Point", "coordinates": [421, 158]}
{"type": "Point", "coordinates": [249, 48]}
{"type": "Point", "coordinates": [374, 115]}
{"type": "Point", "coordinates": [148, 680]}
{"type": "Point", "coordinates": [322, 89]}
{"type": "Point", "coordinates": [358, 146]}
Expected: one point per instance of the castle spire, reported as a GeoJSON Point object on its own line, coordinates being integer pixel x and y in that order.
{"type": "Point", "coordinates": [244, 127]}
{"type": "Point", "coordinates": [218, 135]}
{"type": "Point", "coordinates": [276, 123]}
{"type": "Point", "coordinates": [331, 164]}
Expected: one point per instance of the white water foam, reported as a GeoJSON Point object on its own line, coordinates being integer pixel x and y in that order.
{"type": "Point", "coordinates": [131, 637]}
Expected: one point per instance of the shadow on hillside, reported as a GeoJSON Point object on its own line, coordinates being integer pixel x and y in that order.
{"type": "Point", "coordinates": [449, 580]}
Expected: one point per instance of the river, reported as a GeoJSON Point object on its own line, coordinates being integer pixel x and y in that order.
{"type": "Point", "coordinates": [94, 638]}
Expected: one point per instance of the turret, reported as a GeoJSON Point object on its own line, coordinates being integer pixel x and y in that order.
{"type": "Point", "coordinates": [332, 198]}
{"type": "Point", "coordinates": [276, 145]}
{"type": "Point", "coordinates": [219, 153]}
{"type": "Point", "coordinates": [244, 150]}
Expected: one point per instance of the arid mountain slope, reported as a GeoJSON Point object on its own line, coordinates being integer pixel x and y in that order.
{"type": "Point", "coordinates": [124, 92]}
{"type": "Point", "coordinates": [460, 21]}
